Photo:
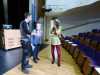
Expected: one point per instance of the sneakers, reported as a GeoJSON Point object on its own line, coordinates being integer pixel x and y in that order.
{"type": "Point", "coordinates": [59, 65]}
{"type": "Point", "coordinates": [38, 58]}
{"type": "Point", "coordinates": [26, 71]}
{"type": "Point", "coordinates": [52, 62]}
{"type": "Point", "coordinates": [28, 66]}
{"type": "Point", "coordinates": [35, 61]}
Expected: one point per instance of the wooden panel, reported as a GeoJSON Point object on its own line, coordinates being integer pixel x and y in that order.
{"type": "Point", "coordinates": [41, 11]}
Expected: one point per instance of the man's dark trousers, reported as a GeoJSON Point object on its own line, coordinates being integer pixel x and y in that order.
{"type": "Point", "coordinates": [26, 45]}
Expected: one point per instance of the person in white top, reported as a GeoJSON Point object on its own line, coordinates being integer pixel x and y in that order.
{"type": "Point", "coordinates": [55, 42]}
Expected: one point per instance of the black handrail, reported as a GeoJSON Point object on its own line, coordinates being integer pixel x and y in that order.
{"type": "Point", "coordinates": [76, 26]}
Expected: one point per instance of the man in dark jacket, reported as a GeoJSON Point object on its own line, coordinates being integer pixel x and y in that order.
{"type": "Point", "coordinates": [25, 42]}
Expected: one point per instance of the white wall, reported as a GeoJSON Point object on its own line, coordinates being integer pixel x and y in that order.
{"type": "Point", "coordinates": [85, 28]}
{"type": "Point", "coordinates": [63, 5]}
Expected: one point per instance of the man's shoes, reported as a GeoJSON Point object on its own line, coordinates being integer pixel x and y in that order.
{"type": "Point", "coordinates": [59, 65]}
{"type": "Point", "coordinates": [52, 62]}
{"type": "Point", "coordinates": [26, 71]}
{"type": "Point", "coordinates": [38, 58]}
{"type": "Point", "coordinates": [35, 61]}
{"type": "Point", "coordinates": [28, 66]}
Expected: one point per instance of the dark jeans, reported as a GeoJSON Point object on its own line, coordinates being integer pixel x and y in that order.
{"type": "Point", "coordinates": [35, 51]}
{"type": "Point", "coordinates": [26, 45]}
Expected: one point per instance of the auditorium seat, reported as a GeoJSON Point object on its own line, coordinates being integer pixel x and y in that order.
{"type": "Point", "coordinates": [93, 44]}
{"type": "Point", "coordinates": [87, 41]}
{"type": "Point", "coordinates": [66, 44]}
{"type": "Point", "coordinates": [69, 46]}
{"type": "Point", "coordinates": [76, 53]}
{"type": "Point", "coordinates": [72, 48]}
{"type": "Point", "coordinates": [82, 40]}
{"type": "Point", "coordinates": [87, 68]}
{"type": "Point", "coordinates": [98, 47]}
{"type": "Point", "coordinates": [81, 59]}
{"type": "Point", "coordinates": [74, 45]}
{"type": "Point", "coordinates": [96, 71]}
{"type": "Point", "coordinates": [95, 30]}
{"type": "Point", "coordinates": [85, 50]}
{"type": "Point", "coordinates": [76, 36]}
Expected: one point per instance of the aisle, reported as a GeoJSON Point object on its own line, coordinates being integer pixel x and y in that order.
{"type": "Point", "coordinates": [44, 66]}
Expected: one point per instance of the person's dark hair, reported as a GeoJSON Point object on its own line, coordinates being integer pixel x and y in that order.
{"type": "Point", "coordinates": [27, 14]}
{"type": "Point", "coordinates": [53, 18]}
{"type": "Point", "coordinates": [57, 25]}
{"type": "Point", "coordinates": [53, 30]}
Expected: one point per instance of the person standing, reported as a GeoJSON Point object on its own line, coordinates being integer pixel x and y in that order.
{"type": "Point", "coordinates": [55, 42]}
{"type": "Point", "coordinates": [25, 42]}
{"type": "Point", "coordinates": [36, 41]}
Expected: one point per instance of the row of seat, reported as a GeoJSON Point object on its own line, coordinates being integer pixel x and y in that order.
{"type": "Point", "coordinates": [85, 56]}
{"type": "Point", "coordinates": [89, 40]}
{"type": "Point", "coordinates": [79, 57]}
